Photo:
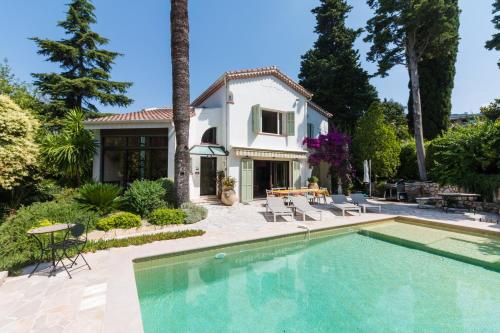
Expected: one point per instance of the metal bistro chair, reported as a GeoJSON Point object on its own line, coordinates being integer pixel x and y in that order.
{"type": "Point", "coordinates": [76, 239]}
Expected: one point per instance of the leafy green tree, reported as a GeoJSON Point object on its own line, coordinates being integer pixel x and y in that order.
{"type": "Point", "coordinates": [69, 152]}
{"type": "Point", "coordinates": [18, 149]}
{"type": "Point", "coordinates": [394, 114]}
{"type": "Point", "coordinates": [492, 110]}
{"type": "Point", "coordinates": [376, 140]}
{"type": "Point", "coordinates": [20, 92]}
{"type": "Point", "coordinates": [437, 73]}
{"type": "Point", "coordinates": [494, 42]}
{"type": "Point", "coordinates": [331, 69]}
{"type": "Point", "coordinates": [402, 31]}
{"type": "Point", "coordinates": [86, 67]}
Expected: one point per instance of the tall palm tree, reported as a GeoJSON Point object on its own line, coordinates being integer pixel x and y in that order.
{"type": "Point", "coordinates": [179, 43]}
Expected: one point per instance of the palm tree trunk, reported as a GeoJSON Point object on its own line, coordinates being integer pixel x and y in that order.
{"type": "Point", "coordinates": [417, 106]}
{"type": "Point", "coordinates": [179, 30]}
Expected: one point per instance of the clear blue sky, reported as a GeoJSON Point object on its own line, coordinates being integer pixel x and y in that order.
{"type": "Point", "coordinates": [229, 35]}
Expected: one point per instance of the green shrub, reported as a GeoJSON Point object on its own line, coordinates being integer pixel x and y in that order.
{"type": "Point", "coordinates": [194, 213]}
{"type": "Point", "coordinates": [17, 249]}
{"type": "Point", "coordinates": [144, 196]}
{"type": "Point", "coordinates": [163, 216]}
{"type": "Point", "coordinates": [408, 167]}
{"type": "Point", "coordinates": [120, 220]}
{"type": "Point", "coordinates": [468, 156]}
{"type": "Point", "coordinates": [99, 197]}
{"type": "Point", "coordinates": [169, 187]}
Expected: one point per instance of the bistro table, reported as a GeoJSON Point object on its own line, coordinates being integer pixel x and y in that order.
{"type": "Point", "coordinates": [451, 197]}
{"type": "Point", "coordinates": [51, 229]}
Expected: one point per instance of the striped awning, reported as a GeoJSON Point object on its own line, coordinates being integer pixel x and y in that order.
{"type": "Point", "coordinates": [263, 153]}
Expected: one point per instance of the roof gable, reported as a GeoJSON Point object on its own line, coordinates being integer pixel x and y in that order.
{"type": "Point", "coordinates": [250, 73]}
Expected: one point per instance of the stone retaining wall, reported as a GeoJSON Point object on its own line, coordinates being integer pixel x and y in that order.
{"type": "Point", "coordinates": [427, 189]}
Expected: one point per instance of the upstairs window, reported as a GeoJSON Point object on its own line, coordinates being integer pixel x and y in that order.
{"type": "Point", "coordinates": [210, 136]}
{"type": "Point", "coordinates": [272, 122]}
{"type": "Point", "coordinates": [269, 121]}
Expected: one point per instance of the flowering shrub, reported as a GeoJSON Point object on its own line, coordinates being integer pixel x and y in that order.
{"type": "Point", "coordinates": [18, 150]}
{"type": "Point", "coordinates": [332, 148]}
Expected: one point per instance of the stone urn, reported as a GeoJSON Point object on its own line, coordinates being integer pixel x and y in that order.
{"type": "Point", "coordinates": [313, 182]}
{"type": "Point", "coordinates": [229, 197]}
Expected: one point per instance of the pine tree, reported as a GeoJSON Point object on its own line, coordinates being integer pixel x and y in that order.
{"type": "Point", "coordinates": [331, 69]}
{"type": "Point", "coordinates": [437, 74]}
{"type": "Point", "coordinates": [494, 42]}
{"type": "Point", "coordinates": [402, 32]}
{"type": "Point", "coordinates": [85, 78]}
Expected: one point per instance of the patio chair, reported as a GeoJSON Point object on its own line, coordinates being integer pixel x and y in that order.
{"type": "Point", "coordinates": [323, 195]}
{"type": "Point", "coordinates": [76, 240]}
{"type": "Point", "coordinates": [301, 205]}
{"type": "Point", "coordinates": [269, 193]}
{"type": "Point", "coordinates": [276, 206]}
{"type": "Point", "coordinates": [340, 202]}
{"type": "Point", "coordinates": [360, 200]}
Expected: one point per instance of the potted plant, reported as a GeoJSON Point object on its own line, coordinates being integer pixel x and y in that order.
{"type": "Point", "coordinates": [229, 196]}
{"type": "Point", "coordinates": [313, 182]}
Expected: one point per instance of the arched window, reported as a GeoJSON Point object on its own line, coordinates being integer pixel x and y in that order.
{"type": "Point", "coordinates": [210, 136]}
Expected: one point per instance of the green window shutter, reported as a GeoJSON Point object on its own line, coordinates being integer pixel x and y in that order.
{"type": "Point", "coordinates": [290, 123]}
{"type": "Point", "coordinates": [246, 180]}
{"type": "Point", "coordinates": [296, 179]}
{"type": "Point", "coordinates": [256, 118]}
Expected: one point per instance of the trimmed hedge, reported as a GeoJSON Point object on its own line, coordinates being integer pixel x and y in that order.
{"type": "Point", "coordinates": [194, 213]}
{"type": "Point", "coordinates": [140, 240]}
{"type": "Point", "coordinates": [164, 216]}
{"type": "Point", "coordinates": [120, 220]}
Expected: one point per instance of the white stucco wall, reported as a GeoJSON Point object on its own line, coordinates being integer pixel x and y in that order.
{"type": "Point", "coordinates": [271, 93]}
{"type": "Point", "coordinates": [319, 122]}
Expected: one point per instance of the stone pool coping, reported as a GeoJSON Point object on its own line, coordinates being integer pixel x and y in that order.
{"type": "Point", "coordinates": [122, 313]}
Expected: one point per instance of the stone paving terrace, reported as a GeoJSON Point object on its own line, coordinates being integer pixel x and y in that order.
{"type": "Point", "coordinates": [104, 299]}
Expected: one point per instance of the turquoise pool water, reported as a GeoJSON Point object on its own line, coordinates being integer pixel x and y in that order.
{"type": "Point", "coordinates": [338, 283]}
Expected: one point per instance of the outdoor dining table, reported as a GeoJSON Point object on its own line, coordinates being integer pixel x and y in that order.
{"type": "Point", "coordinates": [51, 229]}
{"type": "Point", "coordinates": [315, 191]}
{"type": "Point", "coordinates": [449, 197]}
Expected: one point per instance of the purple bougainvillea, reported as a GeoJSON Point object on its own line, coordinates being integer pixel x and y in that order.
{"type": "Point", "coordinates": [332, 148]}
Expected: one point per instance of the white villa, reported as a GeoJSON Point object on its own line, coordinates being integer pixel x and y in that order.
{"type": "Point", "coordinates": [250, 124]}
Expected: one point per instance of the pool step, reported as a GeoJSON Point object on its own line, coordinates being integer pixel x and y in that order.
{"type": "Point", "coordinates": [471, 249]}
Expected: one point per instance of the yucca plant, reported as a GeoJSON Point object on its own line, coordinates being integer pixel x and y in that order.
{"type": "Point", "coordinates": [99, 197]}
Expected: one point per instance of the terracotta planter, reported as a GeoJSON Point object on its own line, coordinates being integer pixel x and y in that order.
{"type": "Point", "coordinates": [229, 197]}
{"type": "Point", "coordinates": [313, 186]}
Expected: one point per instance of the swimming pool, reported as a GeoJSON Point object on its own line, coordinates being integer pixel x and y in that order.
{"type": "Point", "coordinates": [365, 279]}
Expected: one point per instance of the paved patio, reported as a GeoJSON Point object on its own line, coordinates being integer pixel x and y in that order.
{"type": "Point", "coordinates": [104, 299]}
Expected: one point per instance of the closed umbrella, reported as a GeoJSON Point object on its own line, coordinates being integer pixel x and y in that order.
{"type": "Point", "coordinates": [366, 173]}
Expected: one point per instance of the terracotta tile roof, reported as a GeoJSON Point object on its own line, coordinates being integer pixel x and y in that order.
{"type": "Point", "coordinates": [319, 109]}
{"type": "Point", "coordinates": [150, 114]}
{"type": "Point", "coordinates": [250, 73]}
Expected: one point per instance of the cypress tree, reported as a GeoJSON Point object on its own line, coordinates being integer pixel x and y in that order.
{"type": "Point", "coordinates": [85, 77]}
{"type": "Point", "coordinates": [331, 69]}
{"type": "Point", "coordinates": [437, 73]}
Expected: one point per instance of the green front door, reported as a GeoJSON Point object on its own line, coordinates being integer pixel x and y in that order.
{"type": "Point", "coordinates": [246, 180]}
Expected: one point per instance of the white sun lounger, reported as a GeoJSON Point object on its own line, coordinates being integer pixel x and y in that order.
{"type": "Point", "coordinates": [301, 205]}
{"type": "Point", "coordinates": [360, 200]}
{"type": "Point", "coordinates": [277, 207]}
{"type": "Point", "coordinates": [340, 202]}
